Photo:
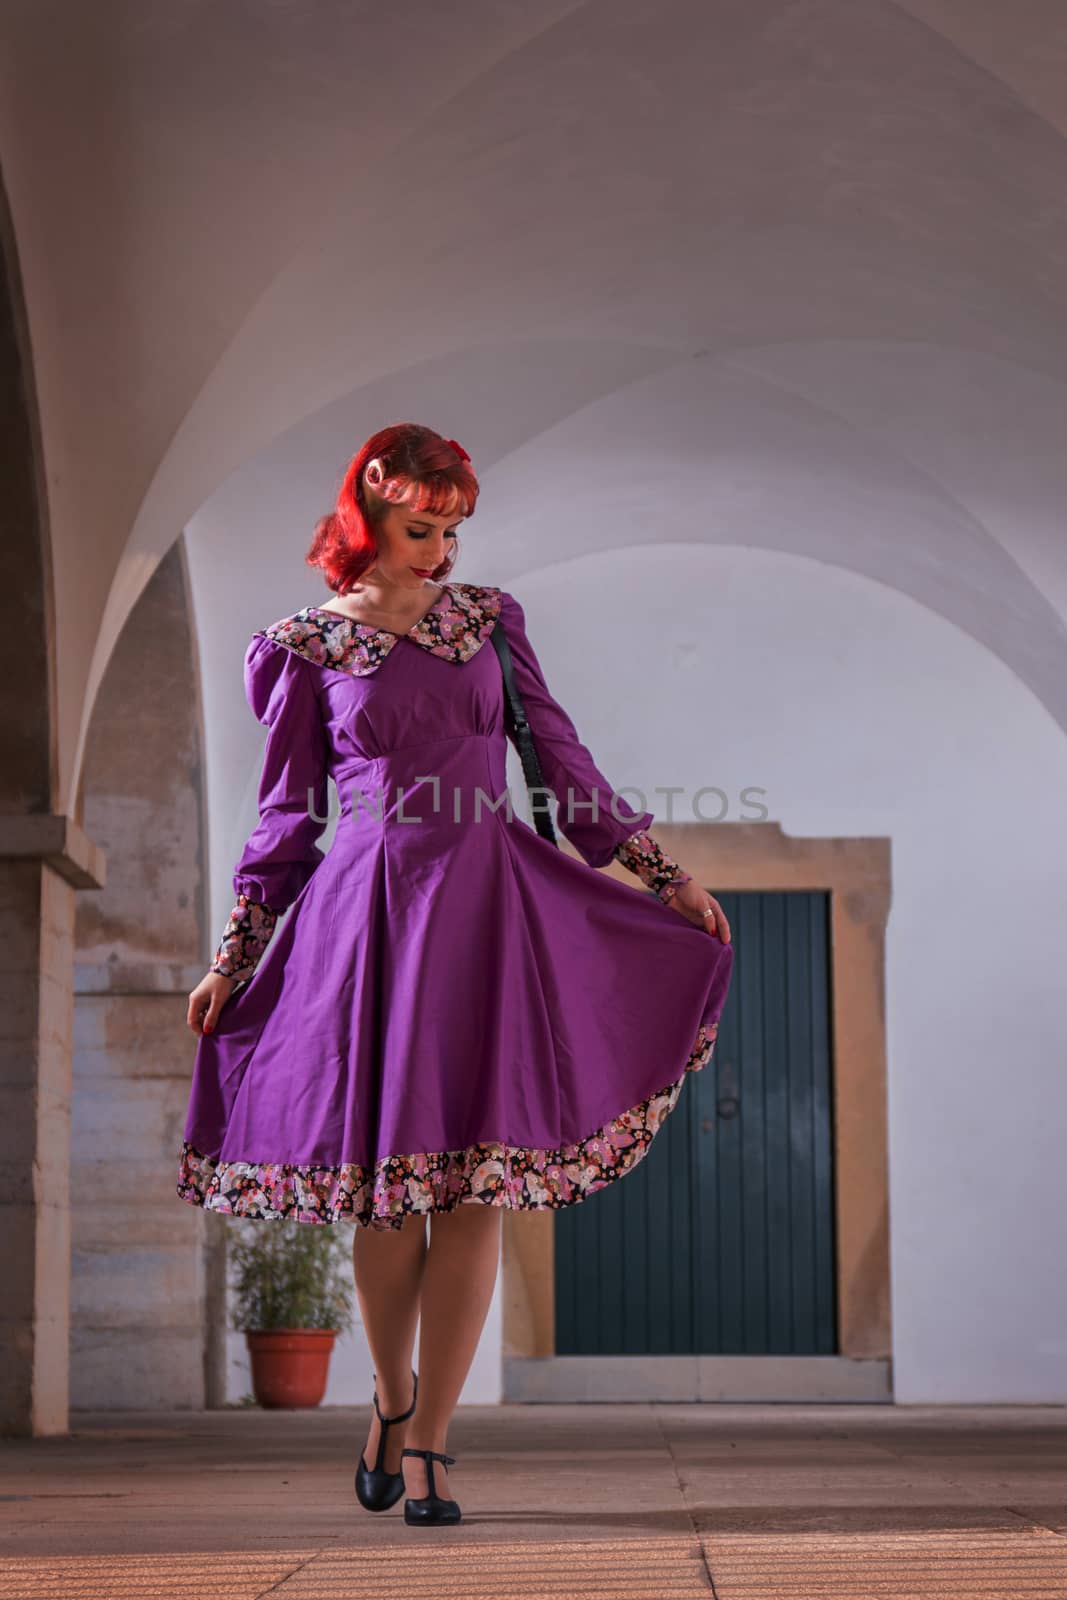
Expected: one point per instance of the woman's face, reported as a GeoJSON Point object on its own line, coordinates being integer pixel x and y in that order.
{"type": "Point", "coordinates": [411, 544]}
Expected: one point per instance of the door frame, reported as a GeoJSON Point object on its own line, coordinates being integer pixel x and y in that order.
{"type": "Point", "coordinates": [760, 856]}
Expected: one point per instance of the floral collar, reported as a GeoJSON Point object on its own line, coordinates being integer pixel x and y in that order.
{"type": "Point", "coordinates": [456, 625]}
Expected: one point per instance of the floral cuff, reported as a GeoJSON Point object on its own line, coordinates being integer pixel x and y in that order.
{"type": "Point", "coordinates": [244, 939]}
{"type": "Point", "coordinates": [658, 871]}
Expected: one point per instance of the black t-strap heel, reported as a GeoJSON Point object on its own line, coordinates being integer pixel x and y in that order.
{"type": "Point", "coordinates": [376, 1489]}
{"type": "Point", "coordinates": [431, 1507]}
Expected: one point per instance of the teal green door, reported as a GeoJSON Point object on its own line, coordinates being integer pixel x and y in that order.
{"type": "Point", "coordinates": [721, 1241]}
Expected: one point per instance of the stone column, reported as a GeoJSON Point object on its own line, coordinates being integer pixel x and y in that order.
{"type": "Point", "coordinates": [44, 860]}
{"type": "Point", "coordinates": [147, 1270]}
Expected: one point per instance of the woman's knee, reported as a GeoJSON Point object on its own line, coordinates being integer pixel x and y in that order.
{"type": "Point", "coordinates": [468, 1216]}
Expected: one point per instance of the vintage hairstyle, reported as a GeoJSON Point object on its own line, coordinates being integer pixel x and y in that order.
{"type": "Point", "coordinates": [402, 464]}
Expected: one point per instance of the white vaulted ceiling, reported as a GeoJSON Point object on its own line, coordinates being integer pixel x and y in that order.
{"type": "Point", "coordinates": [758, 273]}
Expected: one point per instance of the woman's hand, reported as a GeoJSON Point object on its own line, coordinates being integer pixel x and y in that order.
{"type": "Point", "coordinates": [207, 1000]}
{"type": "Point", "coordinates": [692, 901]}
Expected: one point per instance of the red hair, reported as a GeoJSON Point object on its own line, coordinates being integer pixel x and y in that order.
{"type": "Point", "coordinates": [404, 464]}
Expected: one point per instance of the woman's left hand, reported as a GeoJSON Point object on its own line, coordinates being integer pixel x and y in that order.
{"type": "Point", "coordinates": [692, 901]}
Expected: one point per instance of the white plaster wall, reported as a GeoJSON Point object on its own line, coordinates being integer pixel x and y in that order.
{"type": "Point", "coordinates": [212, 249]}
{"type": "Point", "coordinates": [856, 711]}
{"type": "Point", "coordinates": [765, 296]}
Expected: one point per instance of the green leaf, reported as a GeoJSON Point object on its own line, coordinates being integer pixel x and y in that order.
{"type": "Point", "coordinates": [287, 1274]}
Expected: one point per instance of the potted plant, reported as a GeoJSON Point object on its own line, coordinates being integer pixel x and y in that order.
{"type": "Point", "coordinates": [292, 1295]}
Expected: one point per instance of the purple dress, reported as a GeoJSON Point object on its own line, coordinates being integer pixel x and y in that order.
{"type": "Point", "coordinates": [454, 1009]}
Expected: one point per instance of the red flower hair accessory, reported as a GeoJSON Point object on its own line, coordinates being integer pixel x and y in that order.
{"type": "Point", "coordinates": [458, 448]}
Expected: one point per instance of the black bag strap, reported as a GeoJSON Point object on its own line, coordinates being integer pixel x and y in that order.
{"type": "Point", "coordinates": [515, 718]}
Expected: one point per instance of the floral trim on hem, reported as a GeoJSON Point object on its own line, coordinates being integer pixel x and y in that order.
{"type": "Point", "coordinates": [495, 1174]}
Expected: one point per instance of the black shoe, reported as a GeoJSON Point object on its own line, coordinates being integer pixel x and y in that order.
{"type": "Point", "coordinates": [377, 1489]}
{"type": "Point", "coordinates": [431, 1508]}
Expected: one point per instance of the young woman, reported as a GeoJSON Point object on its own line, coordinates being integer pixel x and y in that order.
{"type": "Point", "coordinates": [456, 1016]}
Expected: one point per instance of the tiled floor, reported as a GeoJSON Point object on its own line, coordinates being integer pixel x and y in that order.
{"type": "Point", "coordinates": [640, 1502]}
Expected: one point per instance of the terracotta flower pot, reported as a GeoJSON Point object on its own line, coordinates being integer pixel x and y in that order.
{"type": "Point", "coordinates": [290, 1365]}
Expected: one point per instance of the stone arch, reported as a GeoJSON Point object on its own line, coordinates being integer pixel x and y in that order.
{"type": "Point", "coordinates": [44, 859]}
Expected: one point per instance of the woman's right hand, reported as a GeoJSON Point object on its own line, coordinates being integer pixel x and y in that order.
{"type": "Point", "coordinates": [207, 1000]}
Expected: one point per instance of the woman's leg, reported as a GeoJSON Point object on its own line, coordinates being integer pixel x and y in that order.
{"type": "Point", "coordinates": [388, 1267]}
{"type": "Point", "coordinates": [457, 1286]}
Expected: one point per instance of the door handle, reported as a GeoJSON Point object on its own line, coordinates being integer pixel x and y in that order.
{"type": "Point", "coordinates": [728, 1103]}
{"type": "Point", "coordinates": [727, 1107]}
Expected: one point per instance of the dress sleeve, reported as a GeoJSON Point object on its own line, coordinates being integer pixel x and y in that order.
{"type": "Point", "coordinates": [281, 853]}
{"type": "Point", "coordinates": [646, 857]}
{"type": "Point", "coordinates": [590, 815]}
